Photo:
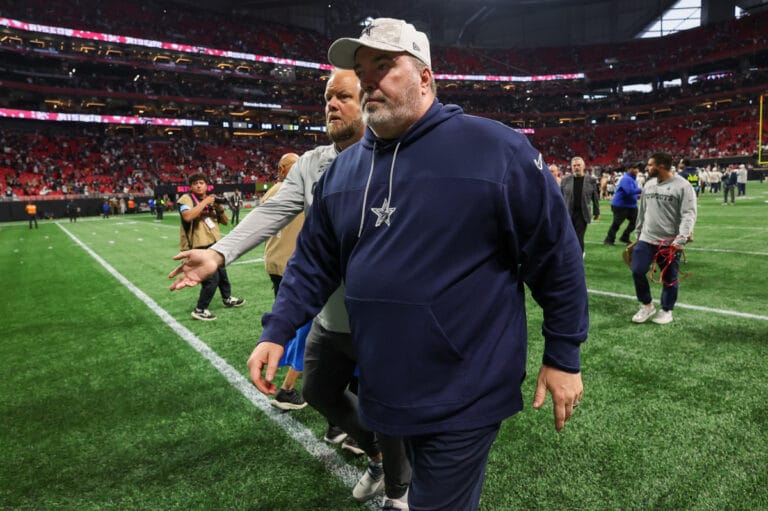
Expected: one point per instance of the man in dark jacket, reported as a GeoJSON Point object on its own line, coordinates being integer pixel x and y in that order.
{"type": "Point", "coordinates": [582, 194]}
{"type": "Point", "coordinates": [690, 174]}
{"type": "Point", "coordinates": [730, 178]}
{"type": "Point", "coordinates": [384, 220]}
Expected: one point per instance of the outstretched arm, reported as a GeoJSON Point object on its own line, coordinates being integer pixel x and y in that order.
{"type": "Point", "coordinates": [197, 265]}
{"type": "Point", "coordinates": [266, 220]}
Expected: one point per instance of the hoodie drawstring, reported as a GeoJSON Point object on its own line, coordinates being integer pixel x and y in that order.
{"type": "Point", "coordinates": [365, 195]}
{"type": "Point", "coordinates": [388, 201]}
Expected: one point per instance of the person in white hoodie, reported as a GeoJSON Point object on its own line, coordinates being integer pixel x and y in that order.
{"type": "Point", "coordinates": [741, 180]}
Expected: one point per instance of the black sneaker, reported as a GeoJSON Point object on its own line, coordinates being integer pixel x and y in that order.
{"type": "Point", "coordinates": [288, 400]}
{"type": "Point", "coordinates": [233, 302]}
{"type": "Point", "coordinates": [350, 444]}
{"type": "Point", "coordinates": [203, 314]}
{"type": "Point", "coordinates": [334, 434]}
{"type": "Point", "coordinates": [609, 243]}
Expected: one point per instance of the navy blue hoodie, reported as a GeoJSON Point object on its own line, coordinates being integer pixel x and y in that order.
{"type": "Point", "coordinates": [434, 235]}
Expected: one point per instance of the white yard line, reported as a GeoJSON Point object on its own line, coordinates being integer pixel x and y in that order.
{"type": "Point", "coordinates": [330, 459]}
{"type": "Point", "coordinates": [249, 261]}
{"type": "Point", "coordinates": [724, 312]}
{"type": "Point", "coordinates": [701, 249]}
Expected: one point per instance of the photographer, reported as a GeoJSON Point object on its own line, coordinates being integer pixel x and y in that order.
{"type": "Point", "coordinates": [201, 215]}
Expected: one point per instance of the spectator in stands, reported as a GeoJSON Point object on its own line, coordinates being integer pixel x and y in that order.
{"type": "Point", "coordinates": [417, 160]}
{"type": "Point", "coordinates": [581, 193]}
{"type": "Point", "coordinates": [200, 219]}
{"type": "Point", "coordinates": [624, 205]}
{"type": "Point", "coordinates": [666, 217]}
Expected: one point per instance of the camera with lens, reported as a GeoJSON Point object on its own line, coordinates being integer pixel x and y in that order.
{"type": "Point", "coordinates": [220, 199]}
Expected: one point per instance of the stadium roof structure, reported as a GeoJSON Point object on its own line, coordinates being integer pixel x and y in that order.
{"type": "Point", "coordinates": [484, 23]}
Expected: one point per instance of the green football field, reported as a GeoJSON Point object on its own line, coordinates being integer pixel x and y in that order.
{"type": "Point", "coordinates": [113, 397]}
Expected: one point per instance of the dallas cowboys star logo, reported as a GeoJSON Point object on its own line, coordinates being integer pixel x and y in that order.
{"type": "Point", "coordinates": [383, 213]}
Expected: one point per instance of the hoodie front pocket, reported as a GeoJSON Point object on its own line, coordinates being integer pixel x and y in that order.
{"type": "Point", "coordinates": [406, 360]}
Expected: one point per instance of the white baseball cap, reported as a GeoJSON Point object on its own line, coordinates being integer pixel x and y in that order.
{"type": "Point", "coordinates": [387, 34]}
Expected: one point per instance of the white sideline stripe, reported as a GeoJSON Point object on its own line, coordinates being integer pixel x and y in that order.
{"type": "Point", "coordinates": [249, 261]}
{"type": "Point", "coordinates": [704, 249]}
{"type": "Point", "coordinates": [726, 251]}
{"type": "Point", "coordinates": [329, 458]}
{"type": "Point", "coordinates": [724, 312]}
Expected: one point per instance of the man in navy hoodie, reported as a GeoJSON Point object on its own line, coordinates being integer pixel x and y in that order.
{"type": "Point", "coordinates": [435, 291]}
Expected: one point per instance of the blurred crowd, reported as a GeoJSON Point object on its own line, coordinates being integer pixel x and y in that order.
{"type": "Point", "coordinates": [713, 116]}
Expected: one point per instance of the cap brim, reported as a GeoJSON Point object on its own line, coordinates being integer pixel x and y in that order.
{"type": "Point", "coordinates": [342, 52]}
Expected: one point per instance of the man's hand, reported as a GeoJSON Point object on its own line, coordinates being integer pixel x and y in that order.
{"type": "Point", "coordinates": [566, 389]}
{"type": "Point", "coordinates": [596, 217]}
{"type": "Point", "coordinates": [198, 265]}
{"type": "Point", "coordinates": [269, 354]}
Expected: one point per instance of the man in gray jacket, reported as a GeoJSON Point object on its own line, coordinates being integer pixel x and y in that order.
{"type": "Point", "coordinates": [581, 191]}
{"type": "Point", "coordinates": [329, 359]}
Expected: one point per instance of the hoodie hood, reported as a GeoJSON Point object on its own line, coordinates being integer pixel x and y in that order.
{"type": "Point", "coordinates": [436, 115]}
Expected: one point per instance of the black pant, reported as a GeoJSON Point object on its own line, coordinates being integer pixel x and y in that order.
{"type": "Point", "coordinates": [726, 190]}
{"type": "Point", "coordinates": [580, 225]}
{"type": "Point", "coordinates": [329, 366]}
{"type": "Point", "coordinates": [219, 280]}
{"type": "Point", "coordinates": [32, 218]}
{"type": "Point", "coordinates": [619, 215]}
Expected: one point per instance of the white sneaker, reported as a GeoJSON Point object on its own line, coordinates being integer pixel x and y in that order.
{"type": "Point", "coordinates": [644, 313]}
{"type": "Point", "coordinates": [371, 484]}
{"type": "Point", "coordinates": [663, 317]}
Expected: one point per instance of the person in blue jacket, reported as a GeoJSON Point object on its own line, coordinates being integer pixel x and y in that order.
{"type": "Point", "coordinates": [624, 205]}
{"type": "Point", "coordinates": [435, 220]}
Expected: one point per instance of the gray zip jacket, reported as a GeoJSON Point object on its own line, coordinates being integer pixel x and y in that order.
{"type": "Point", "coordinates": [666, 210]}
{"type": "Point", "coordinates": [294, 196]}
